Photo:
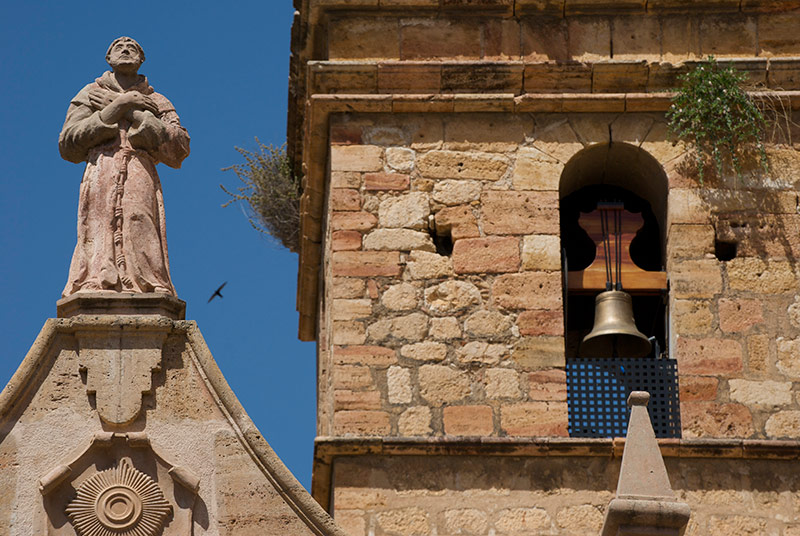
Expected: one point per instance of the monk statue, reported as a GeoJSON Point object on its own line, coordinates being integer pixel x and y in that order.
{"type": "Point", "coordinates": [121, 128]}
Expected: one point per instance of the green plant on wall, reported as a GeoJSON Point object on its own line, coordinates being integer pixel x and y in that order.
{"type": "Point", "coordinates": [716, 117]}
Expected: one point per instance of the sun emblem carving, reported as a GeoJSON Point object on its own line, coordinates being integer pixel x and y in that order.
{"type": "Point", "coordinates": [119, 502]}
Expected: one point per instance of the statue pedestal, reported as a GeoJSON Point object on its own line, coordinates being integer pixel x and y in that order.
{"type": "Point", "coordinates": [121, 303]}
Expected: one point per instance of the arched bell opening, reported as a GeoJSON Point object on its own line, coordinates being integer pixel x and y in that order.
{"type": "Point", "coordinates": [613, 207]}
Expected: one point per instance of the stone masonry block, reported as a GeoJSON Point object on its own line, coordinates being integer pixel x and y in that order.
{"type": "Point", "coordinates": [541, 253]}
{"type": "Point", "coordinates": [451, 297]}
{"type": "Point", "coordinates": [537, 353]}
{"type": "Point", "coordinates": [440, 38]}
{"type": "Point", "coordinates": [407, 211]}
{"type": "Point", "coordinates": [698, 388]}
{"type": "Point", "coordinates": [386, 181]}
{"type": "Point", "coordinates": [739, 315]}
{"type": "Point", "coordinates": [401, 297]}
{"type": "Point", "coordinates": [440, 384]}
{"type": "Point", "coordinates": [711, 419]}
{"type": "Point", "coordinates": [486, 255]}
{"type": "Point", "coordinates": [696, 279]}
{"type": "Point", "coordinates": [709, 357]}
{"type": "Point", "coordinates": [767, 393]}
{"type": "Point", "coordinates": [352, 221]}
{"type": "Point", "coordinates": [456, 192]}
{"type": "Point", "coordinates": [519, 213]}
{"type": "Point", "coordinates": [462, 165]}
{"type": "Point", "coordinates": [372, 356]}
{"type": "Point", "coordinates": [535, 170]}
{"type": "Point", "coordinates": [459, 221]}
{"type": "Point", "coordinates": [345, 241]}
{"type": "Point", "coordinates": [541, 322]}
{"type": "Point", "coordinates": [415, 421]}
{"type": "Point", "coordinates": [692, 317]}
{"type": "Point", "coordinates": [424, 351]}
{"type": "Point", "coordinates": [366, 263]}
{"type": "Point", "coordinates": [756, 275]}
{"type": "Point", "coordinates": [364, 38]}
{"type": "Point", "coordinates": [356, 158]}
{"type": "Point", "coordinates": [535, 419]}
{"type": "Point", "coordinates": [351, 309]}
{"type": "Point", "coordinates": [475, 352]}
{"type": "Point", "coordinates": [468, 420]}
{"type": "Point", "coordinates": [361, 423]}
{"type": "Point", "coordinates": [345, 199]}
{"type": "Point", "coordinates": [398, 383]}
{"type": "Point", "coordinates": [491, 324]}
{"type": "Point", "coordinates": [398, 240]}
{"type": "Point", "coordinates": [502, 383]}
{"type": "Point", "coordinates": [424, 265]}
{"type": "Point", "coordinates": [529, 290]}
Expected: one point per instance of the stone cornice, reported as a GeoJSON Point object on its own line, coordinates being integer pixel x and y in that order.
{"type": "Point", "coordinates": [327, 449]}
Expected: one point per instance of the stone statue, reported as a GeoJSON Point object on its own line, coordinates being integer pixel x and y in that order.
{"type": "Point", "coordinates": [121, 128]}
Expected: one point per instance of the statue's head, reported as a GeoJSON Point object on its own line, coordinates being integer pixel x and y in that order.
{"type": "Point", "coordinates": [125, 52]}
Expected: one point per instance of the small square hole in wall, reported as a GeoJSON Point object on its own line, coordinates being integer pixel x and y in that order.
{"type": "Point", "coordinates": [725, 250]}
{"type": "Point", "coordinates": [598, 389]}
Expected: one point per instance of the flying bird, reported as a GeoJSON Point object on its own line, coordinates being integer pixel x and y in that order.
{"type": "Point", "coordinates": [217, 292]}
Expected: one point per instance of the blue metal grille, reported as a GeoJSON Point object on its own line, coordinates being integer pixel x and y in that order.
{"type": "Point", "coordinates": [598, 388]}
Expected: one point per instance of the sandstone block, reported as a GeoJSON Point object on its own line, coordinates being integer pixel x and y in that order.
{"type": "Point", "coordinates": [756, 275]}
{"type": "Point", "coordinates": [482, 352]}
{"type": "Point", "coordinates": [400, 159]}
{"type": "Point", "coordinates": [777, 34]}
{"type": "Point", "coordinates": [412, 521]}
{"type": "Point", "coordinates": [686, 205]}
{"type": "Point", "coordinates": [519, 213]}
{"type": "Point", "coordinates": [346, 399]}
{"type": "Point", "coordinates": [358, 498]}
{"type": "Point", "coordinates": [347, 287]}
{"type": "Point", "coordinates": [696, 279]}
{"type": "Point", "coordinates": [522, 520]}
{"type": "Point", "coordinates": [739, 525]}
{"type": "Point", "coordinates": [541, 322]}
{"type": "Point", "coordinates": [351, 309]}
{"type": "Point", "coordinates": [486, 255]}
{"type": "Point", "coordinates": [584, 517]}
{"type": "Point", "coordinates": [541, 253]}
{"type": "Point", "coordinates": [760, 393]}
{"type": "Point", "coordinates": [366, 263]}
{"type": "Point", "coordinates": [412, 327]}
{"type": "Point", "coordinates": [784, 424]}
{"type": "Point", "coordinates": [535, 170]}
{"type": "Point", "coordinates": [445, 328]}
{"type": "Point", "coordinates": [731, 36]}
{"type": "Point", "coordinates": [758, 353]}
{"type": "Point", "coordinates": [793, 312]}
{"type": "Point", "coordinates": [353, 522]}
{"type": "Point", "coordinates": [440, 384]}
{"type": "Point", "coordinates": [459, 221]}
{"type": "Point", "coordinates": [637, 37]}
{"type": "Point", "coordinates": [424, 351]}
{"type": "Point", "coordinates": [709, 357]}
{"type": "Point", "coordinates": [348, 332]}
{"type": "Point", "coordinates": [529, 290]}
{"type": "Point", "coordinates": [356, 158]}
{"type": "Point", "coordinates": [409, 211]}
{"type": "Point", "coordinates": [739, 315]}
{"type": "Point", "coordinates": [353, 221]}
{"type": "Point", "coordinates": [468, 420]}
{"type": "Point", "coordinates": [465, 521]}
{"type": "Point", "coordinates": [398, 240]}
{"type": "Point", "coordinates": [462, 165]}
{"type": "Point", "coordinates": [456, 39]}
{"type": "Point", "coordinates": [485, 133]}
{"type": "Point", "coordinates": [456, 192]}
{"type": "Point", "coordinates": [551, 77]}
{"type": "Point", "coordinates": [345, 199]}
{"type": "Point", "coordinates": [698, 388]}
{"type": "Point", "coordinates": [345, 179]}
{"type": "Point", "coordinates": [690, 241]}
{"type": "Point", "coordinates": [363, 38]}
{"type": "Point", "coordinates": [361, 422]}
{"type": "Point", "coordinates": [692, 317]}
{"type": "Point", "coordinates": [398, 383]}
{"type": "Point", "coordinates": [535, 419]}
{"type": "Point", "coordinates": [490, 324]}
{"type": "Point", "coordinates": [451, 297]}
{"type": "Point", "coordinates": [425, 265]}
{"type": "Point", "coordinates": [502, 383]}
{"type": "Point", "coordinates": [536, 353]}
{"type": "Point", "coordinates": [386, 181]}
{"type": "Point", "coordinates": [372, 356]}
{"type": "Point", "coordinates": [710, 419]}
{"type": "Point", "coordinates": [345, 241]}
{"type": "Point", "coordinates": [789, 357]}
{"type": "Point", "coordinates": [352, 377]}
{"type": "Point", "coordinates": [401, 297]}
{"type": "Point", "coordinates": [588, 38]}
{"type": "Point", "coordinates": [415, 421]}
{"type": "Point", "coordinates": [548, 385]}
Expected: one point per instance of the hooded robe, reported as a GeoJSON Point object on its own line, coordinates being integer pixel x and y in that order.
{"type": "Point", "coordinates": [122, 242]}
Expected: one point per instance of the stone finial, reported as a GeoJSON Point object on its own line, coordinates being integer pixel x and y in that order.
{"type": "Point", "coordinates": [645, 502]}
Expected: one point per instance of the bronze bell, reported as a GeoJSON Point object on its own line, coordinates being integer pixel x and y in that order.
{"type": "Point", "coordinates": [614, 333]}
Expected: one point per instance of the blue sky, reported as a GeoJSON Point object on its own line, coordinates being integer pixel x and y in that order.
{"type": "Point", "coordinates": [224, 65]}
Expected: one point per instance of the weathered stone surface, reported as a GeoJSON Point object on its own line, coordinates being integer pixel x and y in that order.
{"type": "Point", "coordinates": [401, 297]}
{"type": "Point", "coordinates": [345, 199]}
{"type": "Point", "coordinates": [712, 357]}
{"type": "Point", "coordinates": [794, 312]}
{"type": "Point", "coordinates": [760, 393]}
{"type": "Point", "coordinates": [356, 158]}
{"type": "Point", "coordinates": [536, 419]}
{"type": "Point", "coordinates": [398, 384]}
{"type": "Point", "coordinates": [535, 170]}
{"type": "Point", "coordinates": [468, 420]}
{"type": "Point", "coordinates": [687, 206]}
{"type": "Point", "coordinates": [696, 279]}
{"type": "Point", "coordinates": [451, 297]}
{"type": "Point", "coordinates": [698, 388]}
{"type": "Point", "coordinates": [541, 253]}
{"type": "Point", "coordinates": [412, 327]}
{"type": "Point", "coordinates": [366, 263]}
{"type": "Point", "coordinates": [361, 422]}
{"type": "Point", "coordinates": [373, 356]}
{"type": "Point", "coordinates": [465, 521]}
{"type": "Point", "coordinates": [351, 309]}
{"type": "Point", "coordinates": [386, 181]}
{"type": "Point", "coordinates": [584, 517]}
{"type": "Point", "coordinates": [348, 332]}
{"type": "Point", "coordinates": [789, 357]}
{"type": "Point", "coordinates": [485, 132]}
{"type": "Point", "coordinates": [459, 221]}
{"type": "Point", "coordinates": [415, 421]}
{"type": "Point", "coordinates": [424, 351]}
{"type": "Point", "coordinates": [410, 521]}
{"type": "Point", "coordinates": [548, 385]}
{"type": "Point", "coordinates": [535, 353]}
{"type": "Point", "coordinates": [541, 322]}
{"type": "Point", "coordinates": [758, 353]}
{"type": "Point", "coordinates": [347, 287]}
{"type": "Point", "coordinates": [345, 241]}
{"type": "Point", "coordinates": [482, 352]}
{"type": "Point", "coordinates": [486, 255]}
{"type": "Point", "coordinates": [756, 275]}
{"type": "Point", "coordinates": [739, 315]}
{"type": "Point", "coordinates": [692, 317]}
{"type": "Point", "coordinates": [425, 265]}
{"type": "Point", "coordinates": [352, 221]}
{"type": "Point", "coordinates": [409, 211]}
{"type": "Point", "coordinates": [462, 165]}
{"type": "Point", "coordinates": [519, 213]}
{"type": "Point", "coordinates": [345, 179]}
{"type": "Point", "coordinates": [690, 241]}
{"type": "Point", "coordinates": [554, 137]}
{"type": "Point", "coordinates": [490, 324]}
{"type": "Point", "coordinates": [398, 240]}
{"type": "Point", "coordinates": [440, 384]}
{"type": "Point", "coordinates": [523, 520]}
{"type": "Point", "coordinates": [455, 192]}
{"type": "Point", "coordinates": [710, 419]}
{"type": "Point", "coordinates": [352, 377]}
{"type": "Point", "coordinates": [784, 424]}
{"type": "Point", "coordinates": [400, 159]}
{"type": "Point", "coordinates": [502, 383]}
{"type": "Point", "coordinates": [530, 290]}
{"type": "Point", "coordinates": [344, 399]}
{"type": "Point", "coordinates": [444, 328]}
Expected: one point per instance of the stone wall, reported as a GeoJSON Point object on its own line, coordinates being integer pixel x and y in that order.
{"type": "Point", "coordinates": [472, 342]}
{"type": "Point", "coordinates": [558, 496]}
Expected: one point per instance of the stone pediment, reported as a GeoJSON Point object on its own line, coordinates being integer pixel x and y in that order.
{"type": "Point", "coordinates": [183, 458]}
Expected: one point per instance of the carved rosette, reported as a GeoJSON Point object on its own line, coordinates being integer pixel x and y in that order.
{"type": "Point", "coordinates": [119, 502]}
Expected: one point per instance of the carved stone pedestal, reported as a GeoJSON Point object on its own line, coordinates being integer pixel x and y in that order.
{"type": "Point", "coordinates": [116, 303]}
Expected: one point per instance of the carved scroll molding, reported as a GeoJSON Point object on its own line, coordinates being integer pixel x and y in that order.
{"type": "Point", "coordinates": [119, 363]}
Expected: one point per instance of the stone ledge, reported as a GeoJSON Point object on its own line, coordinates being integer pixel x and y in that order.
{"type": "Point", "coordinates": [114, 303]}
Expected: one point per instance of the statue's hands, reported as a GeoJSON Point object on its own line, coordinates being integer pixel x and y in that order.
{"type": "Point", "coordinates": [125, 104]}
{"type": "Point", "coordinates": [100, 98]}
{"type": "Point", "coordinates": [146, 130]}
